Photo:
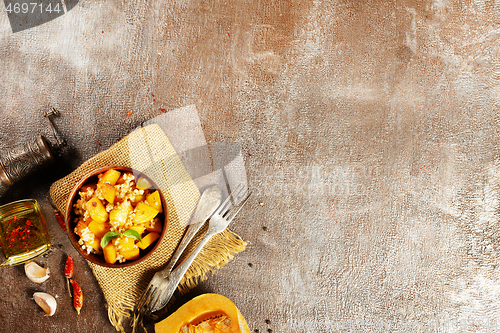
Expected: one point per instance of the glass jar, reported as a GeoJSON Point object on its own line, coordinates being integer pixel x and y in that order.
{"type": "Point", "coordinates": [23, 232]}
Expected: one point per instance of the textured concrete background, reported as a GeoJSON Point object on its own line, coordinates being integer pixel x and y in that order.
{"type": "Point", "coordinates": [371, 136]}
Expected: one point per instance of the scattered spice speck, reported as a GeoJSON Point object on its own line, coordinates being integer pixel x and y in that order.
{"type": "Point", "coordinates": [264, 228]}
{"type": "Point", "coordinates": [163, 110]}
{"type": "Point", "coordinates": [268, 321]}
{"type": "Point", "coordinates": [261, 203]}
{"type": "Point", "coordinates": [250, 265]}
{"type": "Point", "coordinates": [98, 143]}
{"type": "Point", "coordinates": [128, 114]}
{"type": "Point", "coordinates": [228, 35]}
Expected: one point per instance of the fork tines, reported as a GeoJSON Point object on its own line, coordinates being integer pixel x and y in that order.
{"type": "Point", "coordinates": [231, 213]}
{"type": "Point", "coordinates": [229, 204]}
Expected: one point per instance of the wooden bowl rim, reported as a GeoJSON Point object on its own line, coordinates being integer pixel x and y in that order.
{"type": "Point", "coordinates": [98, 259]}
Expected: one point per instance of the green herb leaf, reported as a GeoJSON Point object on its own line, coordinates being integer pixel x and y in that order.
{"type": "Point", "coordinates": [108, 237]}
{"type": "Point", "coordinates": [132, 233]}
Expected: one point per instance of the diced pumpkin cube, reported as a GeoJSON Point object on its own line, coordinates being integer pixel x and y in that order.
{"type": "Point", "coordinates": [109, 177]}
{"type": "Point", "coordinates": [125, 243]}
{"type": "Point", "coordinates": [96, 244]}
{"type": "Point", "coordinates": [144, 213]}
{"type": "Point", "coordinates": [125, 175]}
{"type": "Point", "coordinates": [131, 254]}
{"type": "Point", "coordinates": [140, 228]}
{"type": "Point", "coordinates": [85, 188]}
{"type": "Point", "coordinates": [99, 229]}
{"type": "Point", "coordinates": [108, 191]}
{"type": "Point", "coordinates": [110, 253]}
{"type": "Point", "coordinates": [143, 184]}
{"type": "Point", "coordinates": [119, 214]}
{"type": "Point", "coordinates": [79, 227]}
{"type": "Point", "coordinates": [154, 201]}
{"type": "Point", "coordinates": [154, 225]}
{"type": "Point", "coordinates": [138, 198]}
{"type": "Point", "coordinates": [148, 240]}
{"type": "Point", "coordinates": [96, 210]}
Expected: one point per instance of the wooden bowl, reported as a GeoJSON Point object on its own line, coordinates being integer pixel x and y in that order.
{"type": "Point", "coordinates": [98, 259]}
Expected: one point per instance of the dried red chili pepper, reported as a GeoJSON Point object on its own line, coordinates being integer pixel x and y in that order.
{"type": "Point", "coordinates": [68, 271]}
{"type": "Point", "coordinates": [77, 296]}
{"type": "Point", "coordinates": [57, 213]}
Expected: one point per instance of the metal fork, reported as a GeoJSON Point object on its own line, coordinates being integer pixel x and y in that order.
{"type": "Point", "coordinates": [161, 289]}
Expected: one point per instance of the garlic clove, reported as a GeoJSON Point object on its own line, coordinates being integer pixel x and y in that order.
{"type": "Point", "coordinates": [36, 273]}
{"type": "Point", "coordinates": [47, 302]}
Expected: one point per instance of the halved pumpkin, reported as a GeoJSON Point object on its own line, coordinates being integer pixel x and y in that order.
{"type": "Point", "coordinates": [205, 313]}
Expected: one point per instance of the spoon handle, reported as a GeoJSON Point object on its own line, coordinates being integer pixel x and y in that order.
{"type": "Point", "coordinates": [188, 236]}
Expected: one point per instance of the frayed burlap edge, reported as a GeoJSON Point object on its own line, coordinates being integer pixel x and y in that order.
{"type": "Point", "coordinates": [218, 252]}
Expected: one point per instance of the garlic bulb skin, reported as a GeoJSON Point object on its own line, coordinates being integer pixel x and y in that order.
{"type": "Point", "coordinates": [47, 302]}
{"type": "Point", "coordinates": [36, 273]}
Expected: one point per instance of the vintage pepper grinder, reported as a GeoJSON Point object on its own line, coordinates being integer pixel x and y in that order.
{"type": "Point", "coordinates": [32, 156]}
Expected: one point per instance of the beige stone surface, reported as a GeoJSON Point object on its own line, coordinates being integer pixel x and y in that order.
{"type": "Point", "coordinates": [370, 130]}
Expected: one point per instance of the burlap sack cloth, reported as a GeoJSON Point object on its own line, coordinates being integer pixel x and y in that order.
{"type": "Point", "coordinates": [122, 287]}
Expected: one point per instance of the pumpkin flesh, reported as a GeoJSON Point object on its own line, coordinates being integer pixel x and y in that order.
{"type": "Point", "coordinates": [205, 313]}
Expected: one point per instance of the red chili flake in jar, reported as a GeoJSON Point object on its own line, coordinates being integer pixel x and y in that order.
{"type": "Point", "coordinates": [21, 234]}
